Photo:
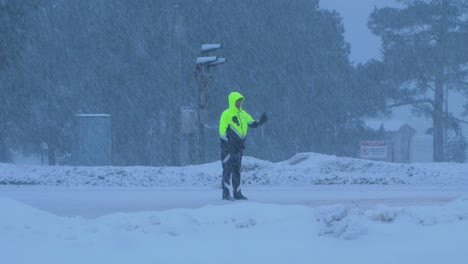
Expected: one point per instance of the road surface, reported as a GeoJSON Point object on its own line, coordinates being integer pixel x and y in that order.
{"type": "Point", "coordinates": [93, 202]}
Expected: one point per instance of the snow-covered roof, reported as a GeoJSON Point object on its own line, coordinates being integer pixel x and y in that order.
{"type": "Point", "coordinates": [393, 125]}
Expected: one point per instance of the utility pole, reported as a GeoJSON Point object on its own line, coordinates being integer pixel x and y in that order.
{"type": "Point", "coordinates": [446, 112]}
{"type": "Point", "coordinates": [176, 46]}
{"type": "Point", "coordinates": [204, 80]}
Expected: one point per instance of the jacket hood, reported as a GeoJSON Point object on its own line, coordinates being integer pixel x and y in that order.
{"type": "Point", "coordinates": [233, 97]}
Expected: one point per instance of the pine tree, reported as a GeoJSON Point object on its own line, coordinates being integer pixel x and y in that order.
{"type": "Point", "coordinates": [425, 51]}
{"type": "Point", "coordinates": [15, 23]}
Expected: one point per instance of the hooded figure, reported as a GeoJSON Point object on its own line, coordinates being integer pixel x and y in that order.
{"type": "Point", "coordinates": [233, 126]}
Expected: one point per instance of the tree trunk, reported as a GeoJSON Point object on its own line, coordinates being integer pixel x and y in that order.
{"type": "Point", "coordinates": [51, 155]}
{"type": "Point", "coordinates": [3, 152]}
{"type": "Point", "coordinates": [438, 120]}
{"type": "Point", "coordinates": [438, 113]}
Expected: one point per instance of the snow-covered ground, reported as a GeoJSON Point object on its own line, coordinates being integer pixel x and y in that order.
{"type": "Point", "coordinates": [309, 209]}
{"type": "Point", "coordinates": [303, 169]}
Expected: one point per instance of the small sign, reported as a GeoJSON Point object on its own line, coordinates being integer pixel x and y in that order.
{"type": "Point", "coordinates": [374, 149]}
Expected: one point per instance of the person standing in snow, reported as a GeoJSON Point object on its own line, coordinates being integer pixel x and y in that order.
{"type": "Point", "coordinates": [233, 126]}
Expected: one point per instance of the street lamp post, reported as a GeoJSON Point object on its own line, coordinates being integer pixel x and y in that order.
{"type": "Point", "coordinates": [204, 79]}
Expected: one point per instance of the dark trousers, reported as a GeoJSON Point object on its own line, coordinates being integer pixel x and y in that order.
{"type": "Point", "coordinates": [232, 162]}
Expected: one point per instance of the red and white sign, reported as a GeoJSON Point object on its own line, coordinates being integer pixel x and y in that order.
{"type": "Point", "coordinates": [374, 149]}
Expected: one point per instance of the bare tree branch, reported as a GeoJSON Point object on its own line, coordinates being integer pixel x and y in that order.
{"type": "Point", "coordinates": [414, 102]}
{"type": "Point", "coordinates": [458, 120]}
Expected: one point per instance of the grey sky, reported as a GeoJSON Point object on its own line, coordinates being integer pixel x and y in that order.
{"type": "Point", "coordinates": [364, 45]}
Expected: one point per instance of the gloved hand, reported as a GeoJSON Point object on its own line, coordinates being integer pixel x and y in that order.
{"type": "Point", "coordinates": [263, 118]}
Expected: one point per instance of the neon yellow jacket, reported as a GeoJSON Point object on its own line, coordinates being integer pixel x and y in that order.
{"type": "Point", "coordinates": [236, 120]}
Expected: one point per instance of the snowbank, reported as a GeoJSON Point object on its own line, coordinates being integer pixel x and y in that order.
{"type": "Point", "coordinates": [302, 169]}
{"type": "Point", "coordinates": [262, 233]}
{"type": "Point", "coordinates": [348, 222]}
{"type": "Point", "coordinates": [339, 221]}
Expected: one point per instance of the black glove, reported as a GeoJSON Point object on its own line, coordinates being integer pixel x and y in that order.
{"type": "Point", "coordinates": [263, 118]}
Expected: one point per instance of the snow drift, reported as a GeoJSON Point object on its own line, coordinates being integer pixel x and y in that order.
{"type": "Point", "coordinates": [263, 233]}
{"type": "Point", "coordinates": [302, 169]}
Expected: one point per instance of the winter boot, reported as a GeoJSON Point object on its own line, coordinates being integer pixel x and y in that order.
{"type": "Point", "coordinates": [227, 195]}
{"type": "Point", "coordinates": [239, 196]}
